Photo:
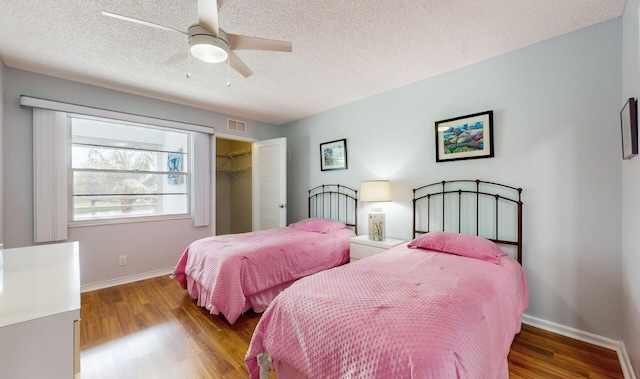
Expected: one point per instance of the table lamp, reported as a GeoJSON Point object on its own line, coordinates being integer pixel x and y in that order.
{"type": "Point", "coordinates": [376, 191]}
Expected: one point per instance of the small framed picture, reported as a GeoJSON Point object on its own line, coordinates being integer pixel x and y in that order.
{"type": "Point", "coordinates": [465, 137]}
{"type": "Point", "coordinates": [629, 128]}
{"type": "Point", "coordinates": [333, 155]}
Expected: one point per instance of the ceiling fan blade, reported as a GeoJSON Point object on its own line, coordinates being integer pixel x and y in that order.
{"type": "Point", "coordinates": [237, 64]}
{"type": "Point", "coordinates": [141, 22]}
{"type": "Point", "coordinates": [239, 42]}
{"type": "Point", "coordinates": [177, 57]}
{"type": "Point", "coordinates": [208, 15]}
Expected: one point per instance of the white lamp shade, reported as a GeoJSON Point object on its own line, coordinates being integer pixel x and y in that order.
{"type": "Point", "coordinates": [375, 191]}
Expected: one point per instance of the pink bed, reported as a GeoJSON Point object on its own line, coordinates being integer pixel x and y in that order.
{"type": "Point", "coordinates": [405, 313]}
{"type": "Point", "coordinates": [445, 305]}
{"type": "Point", "coordinates": [232, 273]}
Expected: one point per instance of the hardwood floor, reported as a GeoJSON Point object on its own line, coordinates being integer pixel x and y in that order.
{"type": "Point", "coordinates": [153, 329]}
{"type": "Point", "coordinates": [536, 353]}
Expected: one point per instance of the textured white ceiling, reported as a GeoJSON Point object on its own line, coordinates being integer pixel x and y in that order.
{"type": "Point", "coordinates": [343, 50]}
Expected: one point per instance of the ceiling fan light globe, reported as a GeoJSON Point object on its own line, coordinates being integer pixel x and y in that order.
{"type": "Point", "coordinates": [208, 48]}
{"type": "Point", "coordinates": [209, 53]}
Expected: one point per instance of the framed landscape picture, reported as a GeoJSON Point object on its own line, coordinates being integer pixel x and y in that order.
{"type": "Point", "coordinates": [333, 155]}
{"type": "Point", "coordinates": [465, 137]}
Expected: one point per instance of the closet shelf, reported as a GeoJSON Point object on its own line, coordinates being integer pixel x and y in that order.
{"type": "Point", "coordinates": [237, 153]}
{"type": "Point", "coordinates": [230, 163]}
{"type": "Point", "coordinates": [232, 156]}
{"type": "Point", "coordinates": [234, 171]}
{"type": "Point", "coordinates": [245, 151]}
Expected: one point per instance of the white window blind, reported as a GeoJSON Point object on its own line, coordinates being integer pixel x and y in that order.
{"type": "Point", "coordinates": [201, 179]}
{"type": "Point", "coordinates": [50, 150]}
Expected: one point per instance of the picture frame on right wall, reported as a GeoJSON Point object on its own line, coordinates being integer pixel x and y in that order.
{"type": "Point", "coordinates": [629, 128]}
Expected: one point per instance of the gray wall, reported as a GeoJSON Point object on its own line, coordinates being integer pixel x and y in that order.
{"type": "Point", "coordinates": [150, 246]}
{"type": "Point", "coordinates": [630, 198]}
{"type": "Point", "coordinates": [557, 136]}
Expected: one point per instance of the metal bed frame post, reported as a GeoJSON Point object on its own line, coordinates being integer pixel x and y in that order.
{"type": "Point", "coordinates": [477, 207]}
{"type": "Point", "coordinates": [443, 203]}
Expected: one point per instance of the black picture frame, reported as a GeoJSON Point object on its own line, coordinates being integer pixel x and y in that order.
{"type": "Point", "coordinates": [333, 155]}
{"type": "Point", "coordinates": [629, 128]}
{"type": "Point", "coordinates": [477, 140]}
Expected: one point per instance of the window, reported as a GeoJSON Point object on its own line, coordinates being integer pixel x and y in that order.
{"type": "Point", "coordinates": [93, 166]}
{"type": "Point", "coordinates": [125, 170]}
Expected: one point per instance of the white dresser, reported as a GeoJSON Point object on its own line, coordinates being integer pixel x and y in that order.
{"type": "Point", "coordinates": [40, 312]}
{"type": "Point", "coordinates": [361, 246]}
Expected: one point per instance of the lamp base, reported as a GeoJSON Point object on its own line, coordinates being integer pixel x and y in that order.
{"type": "Point", "coordinates": [376, 226]}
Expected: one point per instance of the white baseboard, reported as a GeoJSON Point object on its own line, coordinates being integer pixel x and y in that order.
{"type": "Point", "coordinates": [594, 339]}
{"type": "Point", "coordinates": [125, 280]}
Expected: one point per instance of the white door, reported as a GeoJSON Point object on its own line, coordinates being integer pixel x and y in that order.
{"type": "Point", "coordinates": [269, 184]}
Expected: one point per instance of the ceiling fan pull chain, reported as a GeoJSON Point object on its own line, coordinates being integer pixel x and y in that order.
{"type": "Point", "coordinates": [188, 63]}
{"type": "Point", "coordinates": [228, 80]}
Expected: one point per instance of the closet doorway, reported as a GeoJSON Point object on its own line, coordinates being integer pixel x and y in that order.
{"type": "Point", "coordinates": [233, 186]}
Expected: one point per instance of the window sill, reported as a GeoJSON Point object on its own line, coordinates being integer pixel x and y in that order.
{"type": "Point", "coordinates": [115, 221]}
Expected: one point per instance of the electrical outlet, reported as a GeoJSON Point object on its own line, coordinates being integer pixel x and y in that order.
{"type": "Point", "coordinates": [123, 260]}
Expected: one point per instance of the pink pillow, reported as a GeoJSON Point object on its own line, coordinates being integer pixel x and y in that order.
{"type": "Point", "coordinates": [318, 225]}
{"type": "Point", "coordinates": [465, 245]}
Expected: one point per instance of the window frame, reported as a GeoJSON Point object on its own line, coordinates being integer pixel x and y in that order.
{"type": "Point", "coordinates": [188, 162]}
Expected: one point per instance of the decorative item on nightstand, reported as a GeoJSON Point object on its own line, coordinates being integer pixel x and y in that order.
{"type": "Point", "coordinates": [376, 191]}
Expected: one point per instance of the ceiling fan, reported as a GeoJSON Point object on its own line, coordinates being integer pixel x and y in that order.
{"type": "Point", "coordinates": [209, 43]}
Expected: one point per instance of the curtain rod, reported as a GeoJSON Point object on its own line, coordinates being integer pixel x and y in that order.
{"type": "Point", "coordinates": [34, 102]}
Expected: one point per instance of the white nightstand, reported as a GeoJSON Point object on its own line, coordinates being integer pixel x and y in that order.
{"type": "Point", "coordinates": [362, 247]}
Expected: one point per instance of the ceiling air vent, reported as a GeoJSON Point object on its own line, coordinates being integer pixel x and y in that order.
{"type": "Point", "coordinates": [236, 126]}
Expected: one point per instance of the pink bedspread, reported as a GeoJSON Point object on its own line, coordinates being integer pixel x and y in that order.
{"type": "Point", "coordinates": [222, 271]}
{"type": "Point", "coordinates": [405, 313]}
